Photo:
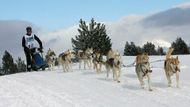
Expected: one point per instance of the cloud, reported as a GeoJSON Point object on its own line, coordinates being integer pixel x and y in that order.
{"type": "Point", "coordinates": [60, 40]}
{"type": "Point", "coordinates": [160, 42]}
{"type": "Point", "coordinates": [161, 28]}
{"type": "Point", "coordinates": [169, 18]}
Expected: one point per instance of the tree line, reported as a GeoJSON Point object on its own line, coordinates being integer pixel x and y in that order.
{"type": "Point", "coordinates": [93, 35]}
{"type": "Point", "coordinates": [132, 50]}
{"type": "Point", "coordinates": [179, 45]}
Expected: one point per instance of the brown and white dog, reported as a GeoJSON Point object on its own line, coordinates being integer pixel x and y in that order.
{"type": "Point", "coordinates": [65, 60]}
{"type": "Point", "coordinates": [86, 57]}
{"type": "Point", "coordinates": [50, 59]}
{"type": "Point", "coordinates": [97, 61]}
{"type": "Point", "coordinates": [171, 66]}
{"type": "Point", "coordinates": [143, 70]}
{"type": "Point", "coordinates": [113, 63]}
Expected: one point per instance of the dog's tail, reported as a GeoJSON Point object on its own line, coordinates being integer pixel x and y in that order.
{"type": "Point", "coordinates": [168, 55]}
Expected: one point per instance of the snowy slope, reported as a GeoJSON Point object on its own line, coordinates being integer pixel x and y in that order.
{"type": "Point", "coordinates": [85, 88]}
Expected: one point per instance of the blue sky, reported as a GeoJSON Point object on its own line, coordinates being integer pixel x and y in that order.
{"type": "Point", "coordinates": [57, 14]}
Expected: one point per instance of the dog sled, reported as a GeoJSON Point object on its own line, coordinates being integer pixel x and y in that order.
{"type": "Point", "coordinates": [38, 62]}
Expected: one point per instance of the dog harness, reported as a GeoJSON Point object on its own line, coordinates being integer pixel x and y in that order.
{"type": "Point", "coordinates": [144, 68]}
{"type": "Point", "coordinates": [169, 66]}
{"type": "Point", "coordinates": [98, 60]}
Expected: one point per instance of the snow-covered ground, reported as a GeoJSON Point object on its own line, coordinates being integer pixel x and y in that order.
{"type": "Point", "coordinates": [85, 88]}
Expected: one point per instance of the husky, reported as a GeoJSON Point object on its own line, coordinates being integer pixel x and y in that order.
{"type": "Point", "coordinates": [65, 60]}
{"type": "Point", "coordinates": [51, 58]}
{"type": "Point", "coordinates": [143, 70]}
{"type": "Point", "coordinates": [97, 62]}
{"type": "Point", "coordinates": [113, 63]}
{"type": "Point", "coordinates": [86, 57]}
{"type": "Point", "coordinates": [171, 66]}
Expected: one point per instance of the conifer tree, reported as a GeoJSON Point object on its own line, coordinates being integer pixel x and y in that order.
{"type": "Point", "coordinates": [92, 36]}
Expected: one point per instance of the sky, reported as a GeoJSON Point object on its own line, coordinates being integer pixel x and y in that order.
{"type": "Point", "coordinates": [57, 14]}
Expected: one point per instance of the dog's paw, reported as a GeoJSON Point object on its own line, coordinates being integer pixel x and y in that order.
{"type": "Point", "coordinates": [150, 89]}
{"type": "Point", "coordinates": [143, 87]}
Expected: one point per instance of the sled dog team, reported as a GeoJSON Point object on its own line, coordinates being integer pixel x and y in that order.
{"type": "Point", "coordinates": [112, 62]}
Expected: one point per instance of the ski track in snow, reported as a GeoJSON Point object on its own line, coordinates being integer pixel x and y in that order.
{"type": "Point", "coordinates": [85, 88]}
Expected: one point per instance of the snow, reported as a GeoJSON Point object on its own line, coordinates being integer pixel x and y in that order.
{"type": "Point", "coordinates": [85, 88]}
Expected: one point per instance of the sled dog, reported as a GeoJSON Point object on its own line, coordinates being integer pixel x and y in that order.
{"type": "Point", "coordinates": [171, 66]}
{"type": "Point", "coordinates": [143, 70]}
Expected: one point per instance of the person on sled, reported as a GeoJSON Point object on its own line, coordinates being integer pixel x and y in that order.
{"type": "Point", "coordinates": [30, 46]}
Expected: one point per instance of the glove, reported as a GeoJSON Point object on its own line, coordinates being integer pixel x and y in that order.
{"type": "Point", "coordinates": [27, 50]}
{"type": "Point", "coordinates": [40, 50]}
